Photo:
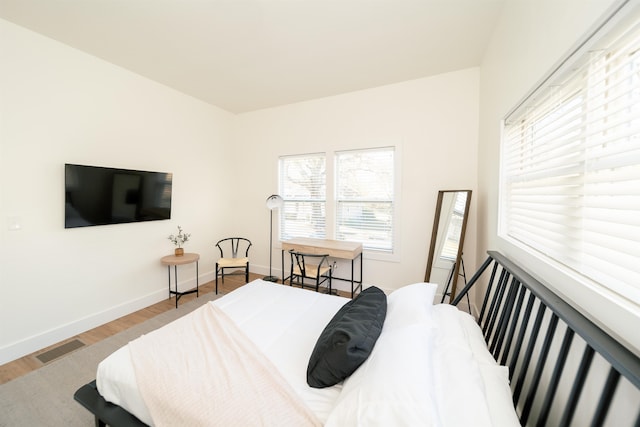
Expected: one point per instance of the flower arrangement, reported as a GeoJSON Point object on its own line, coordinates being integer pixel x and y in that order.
{"type": "Point", "coordinates": [181, 238]}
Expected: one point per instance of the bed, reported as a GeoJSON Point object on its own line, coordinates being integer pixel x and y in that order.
{"type": "Point", "coordinates": [427, 364]}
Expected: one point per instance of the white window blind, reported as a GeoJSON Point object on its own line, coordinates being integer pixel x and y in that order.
{"type": "Point", "coordinates": [303, 189]}
{"type": "Point", "coordinates": [571, 166]}
{"type": "Point", "coordinates": [364, 197]}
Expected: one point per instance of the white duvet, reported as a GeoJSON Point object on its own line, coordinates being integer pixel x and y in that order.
{"type": "Point", "coordinates": [283, 322]}
{"type": "Point", "coordinates": [429, 367]}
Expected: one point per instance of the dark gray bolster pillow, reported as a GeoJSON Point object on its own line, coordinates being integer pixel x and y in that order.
{"type": "Point", "coordinates": [347, 340]}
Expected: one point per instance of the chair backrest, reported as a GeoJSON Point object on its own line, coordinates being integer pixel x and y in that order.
{"type": "Point", "coordinates": [234, 247]}
{"type": "Point", "coordinates": [300, 260]}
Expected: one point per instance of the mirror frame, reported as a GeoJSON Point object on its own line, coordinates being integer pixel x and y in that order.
{"type": "Point", "coordinates": [434, 237]}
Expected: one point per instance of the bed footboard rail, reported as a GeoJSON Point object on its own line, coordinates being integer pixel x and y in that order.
{"type": "Point", "coordinates": [563, 369]}
{"type": "Point", "coordinates": [105, 413]}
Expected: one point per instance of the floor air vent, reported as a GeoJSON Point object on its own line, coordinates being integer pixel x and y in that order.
{"type": "Point", "coordinates": [61, 350]}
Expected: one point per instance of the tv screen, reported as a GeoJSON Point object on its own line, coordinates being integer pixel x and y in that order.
{"type": "Point", "coordinates": [99, 196]}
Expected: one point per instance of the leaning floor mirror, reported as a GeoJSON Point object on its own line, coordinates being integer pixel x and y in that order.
{"type": "Point", "coordinates": [447, 240]}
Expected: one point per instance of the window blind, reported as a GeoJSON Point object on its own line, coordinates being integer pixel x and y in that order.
{"type": "Point", "coordinates": [303, 189]}
{"type": "Point", "coordinates": [571, 166]}
{"type": "Point", "coordinates": [364, 197]}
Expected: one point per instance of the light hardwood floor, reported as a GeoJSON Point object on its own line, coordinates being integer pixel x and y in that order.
{"type": "Point", "coordinates": [29, 363]}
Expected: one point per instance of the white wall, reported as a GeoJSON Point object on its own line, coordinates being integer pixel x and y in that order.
{"type": "Point", "coordinates": [59, 105]}
{"type": "Point", "coordinates": [431, 121]}
{"type": "Point", "coordinates": [531, 37]}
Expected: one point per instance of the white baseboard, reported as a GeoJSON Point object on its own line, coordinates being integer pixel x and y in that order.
{"type": "Point", "coordinates": [54, 335]}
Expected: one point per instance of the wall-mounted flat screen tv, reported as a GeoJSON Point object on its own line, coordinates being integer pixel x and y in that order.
{"type": "Point", "coordinates": [99, 196]}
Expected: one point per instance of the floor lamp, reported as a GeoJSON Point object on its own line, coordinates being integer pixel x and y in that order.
{"type": "Point", "coordinates": [273, 202]}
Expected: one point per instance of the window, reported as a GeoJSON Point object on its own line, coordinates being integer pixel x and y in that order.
{"type": "Point", "coordinates": [361, 206]}
{"type": "Point", "coordinates": [570, 186]}
{"type": "Point", "coordinates": [451, 242]}
{"type": "Point", "coordinates": [303, 189]}
{"type": "Point", "coordinates": [364, 197]}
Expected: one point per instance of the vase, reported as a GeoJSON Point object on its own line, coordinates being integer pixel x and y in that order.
{"type": "Point", "coordinates": [179, 251]}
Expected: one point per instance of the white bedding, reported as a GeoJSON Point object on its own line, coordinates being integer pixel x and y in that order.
{"type": "Point", "coordinates": [429, 366]}
{"type": "Point", "coordinates": [283, 322]}
{"type": "Point", "coordinates": [211, 374]}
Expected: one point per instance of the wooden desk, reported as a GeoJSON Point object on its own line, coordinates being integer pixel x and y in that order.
{"type": "Point", "coordinates": [175, 261]}
{"type": "Point", "coordinates": [335, 248]}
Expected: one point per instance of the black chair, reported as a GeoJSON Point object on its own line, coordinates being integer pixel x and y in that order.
{"type": "Point", "coordinates": [234, 254]}
{"type": "Point", "coordinates": [310, 266]}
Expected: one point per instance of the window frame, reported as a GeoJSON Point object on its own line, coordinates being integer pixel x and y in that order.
{"type": "Point", "coordinates": [320, 201]}
{"type": "Point", "coordinates": [331, 200]}
{"type": "Point", "coordinates": [374, 197]}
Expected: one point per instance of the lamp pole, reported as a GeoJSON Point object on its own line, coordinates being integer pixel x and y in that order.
{"type": "Point", "coordinates": [273, 202]}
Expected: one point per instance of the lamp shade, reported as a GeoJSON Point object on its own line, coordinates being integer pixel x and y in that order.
{"type": "Point", "coordinates": [274, 202]}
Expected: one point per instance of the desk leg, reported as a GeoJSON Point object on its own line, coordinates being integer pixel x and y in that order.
{"type": "Point", "coordinates": [352, 276]}
{"type": "Point", "coordinates": [282, 259]}
{"type": "Point", "coordinates": [197, 281]}
{"type": "Point", "coordinates": [361, 261]}
{"type": "Point", "coordinates": [352, 261]}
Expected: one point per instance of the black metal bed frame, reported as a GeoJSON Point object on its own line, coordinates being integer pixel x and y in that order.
{"type": "Point", "coordinates": [512, 338]}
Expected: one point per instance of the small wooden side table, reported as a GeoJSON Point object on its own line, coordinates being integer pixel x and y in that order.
{"type": "Point", "coordinates": [175, 261]}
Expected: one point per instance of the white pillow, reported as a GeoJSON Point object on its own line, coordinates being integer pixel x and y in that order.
{"type": "Point", "coordinates": [475, 339]}
{"type": "Point", "coordinates": [500, 402]}
{"type": "Point", "coordinates": [409, 304]}
{"type": "Point", "coordinates": [494, 376]}
{"type": "Point", "coordinates": [392, 387]}
{"type": "Point", "coordinates": [409, 373]}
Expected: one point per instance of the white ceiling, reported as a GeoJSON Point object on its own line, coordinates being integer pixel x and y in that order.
{"type": "Point", "coordinates": [244, 55]}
